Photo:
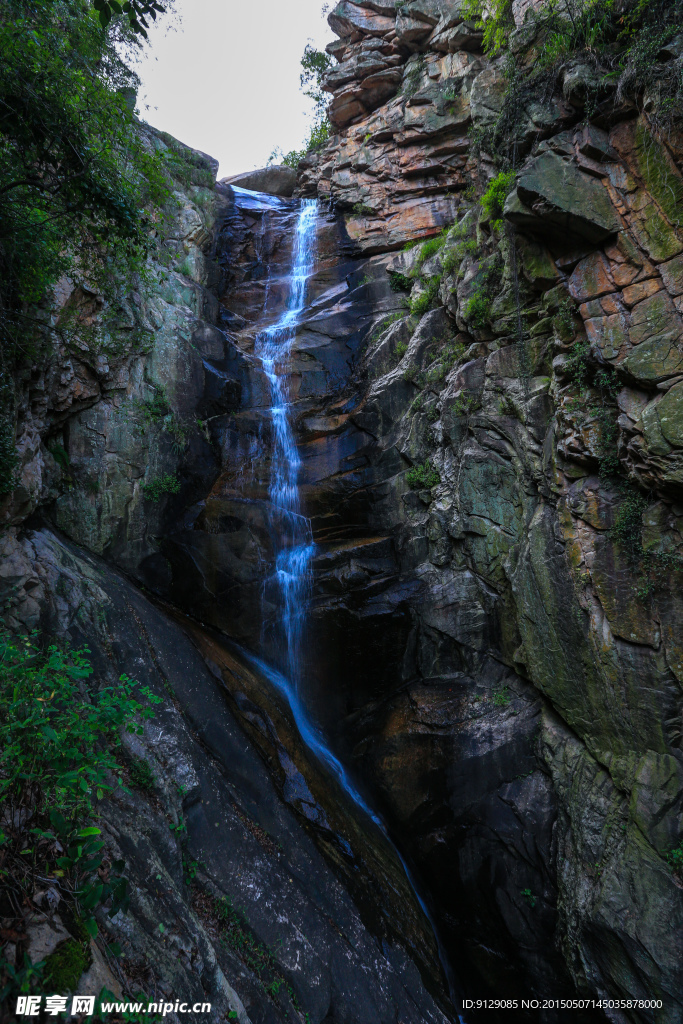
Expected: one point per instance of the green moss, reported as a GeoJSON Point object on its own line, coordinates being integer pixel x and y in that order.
{"type": "Point", "coordinates": [64, 967]}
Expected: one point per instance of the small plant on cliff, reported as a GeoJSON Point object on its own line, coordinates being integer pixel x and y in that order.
{"type": "Point", "coordinates": [563, 321]}
{"type": "Point", "coordinates": [361, 209]}
{"type": "Point", "coordinates": [466, 403]}
{"type": "Point", "coordinates": [423, 301]}
{"type": "Point", "coordinates": [423, 477]}
{"type": "Point", "coordinates": [166, 484]}
{"type": "Point", "coordinates": [596, 393]}
{"type": "Point", "coordinates": [413, 77]}
{"type": "Point", "coordinates": [399, 282]}
{"type": "Point", "coordinates": [493, 199]}
{"type": "Point", "coordinates": [675, 860]}
{"type": "Point", "coordinates": [654, 567]}
{"type": "Point", "coordinates": [236, 934]}
{"type": "Point", "coordinates": [529, 897]}
{"type": "Point", "coordinates": [455, 254]}
{"type": "Point", "coordinates": [495, 17]}
{"type": "Point", "coordinates": [315, 65]}
{"type": "Point", "coordinates": [141, 775]}
{"type": "Point", "coordinates": [476, 310]}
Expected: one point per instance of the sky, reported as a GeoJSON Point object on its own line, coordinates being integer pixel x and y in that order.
{"type": "Point", "coordinates": [225, 79]}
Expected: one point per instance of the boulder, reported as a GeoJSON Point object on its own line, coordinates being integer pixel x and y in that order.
{"type": "Point", "coordinates": [351, 21]}
{"type": "Point", "coordinates": [274, 181]}
{"type": "Point", "coordinates": [561, 200]}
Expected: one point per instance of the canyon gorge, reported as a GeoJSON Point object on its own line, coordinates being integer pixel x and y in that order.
{"type": "Point", "coordinates": [376, 485]}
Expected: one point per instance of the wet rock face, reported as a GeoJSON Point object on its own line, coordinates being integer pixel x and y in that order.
{"type": "Point", "coordinates": [266, 887]}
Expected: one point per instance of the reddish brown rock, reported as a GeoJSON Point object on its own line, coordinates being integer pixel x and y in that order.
{"type": "Point", "coordinates": [591, 278]}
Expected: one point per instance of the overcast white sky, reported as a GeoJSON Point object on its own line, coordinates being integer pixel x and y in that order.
{"type": "Point", "coordinates": [227, 81]}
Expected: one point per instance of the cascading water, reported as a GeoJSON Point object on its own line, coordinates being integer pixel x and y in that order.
{"type": "Point", "coordinates": [287, 588]}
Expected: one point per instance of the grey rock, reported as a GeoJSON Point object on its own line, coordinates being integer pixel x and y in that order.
{"type": "Point", "coordinates": [277, 180]}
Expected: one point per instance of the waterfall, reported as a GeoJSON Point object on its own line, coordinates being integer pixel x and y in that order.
{"type": "Point", "coordinates": [287, 589]}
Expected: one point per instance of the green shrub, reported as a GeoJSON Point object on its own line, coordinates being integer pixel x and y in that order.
{"type": "Point", "coordinates": [466, 403]}
{"type": "Point", "coordinates": [401, 349]}
{"type": "Point", "coordinates": [619, 43]}
{"type": "Point", "coordinates": [422, 477]}
{"type": "Point", "coordinates": [493, 199]}
{"type": "Point", "coordinates": [399, 282]}
{"type": "Point", "coordinates": [361, 209]}
{"type": "Point", "coordinates": [56, 761]}
{"type": "Point", "coordinates": [454, 255]}
{"type": "Point", "coordinates": [423, 301]}
{"type": "Point", "coordinates": [477, 310]}
{"type": "Point", "coordinates": [60, 455]}
{"type": "Point", "coordinates": [529, 896]}
{"type": "Point", "coordinates": [497, 23]}
{"type": "Point", "coordinates": [628, 523]}
{"type": "Point", "coordinates": [155, 489]}
{"type": "Point", "coordinates": [675, 859]}
{"type": "Point", "coordinates": [563, 321]}
{"type": "Point", "coordinates": [501, 698]}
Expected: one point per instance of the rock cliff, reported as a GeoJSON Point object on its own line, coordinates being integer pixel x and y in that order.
{"type": "Point", "coordinates": [490, 427]}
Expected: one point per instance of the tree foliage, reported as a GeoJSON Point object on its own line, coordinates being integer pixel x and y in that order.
{"type": "Point", "coordinates": [315, 65]}
{"type": "Point", "coordinates": [75, 173]}
{"type": "Point", "coordinates": [136, 12]}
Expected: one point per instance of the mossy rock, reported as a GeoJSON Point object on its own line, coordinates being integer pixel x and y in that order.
{"type": "Point", "coordinates": [656, 359]}
{"type": "Point", "coordinates": [670, 413]}
{"type": "Point", "coordinates": [661, 180]}
{"type": "Point", "coordinates": [64, 967]}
